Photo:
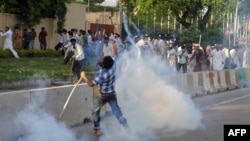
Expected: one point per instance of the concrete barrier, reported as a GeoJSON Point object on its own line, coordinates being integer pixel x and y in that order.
{"type": "Point", "coordinates": [222, 80]}
{"type": "Point", "coordinates": [12, 102]}
{"type": "Point", "coordinates": [193, 84]}
{"type": "Point", "coordinates": [52, 100]}
{"type": "Point", "coordinates": [207, 82]}
{"type": "Point", "coordinates": [230, 76]}
{"type": "Point", "coordinates": [244, 76]}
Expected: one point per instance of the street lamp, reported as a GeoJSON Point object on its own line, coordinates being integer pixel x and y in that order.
{"type": "Point", "coordinates": [161, 23]}
{"type": "Point", "coordinates": [147, 22]}
{"type": "Point", "coordinates": [235, 21]}
{"type": "Point", "coordinates": [154, 21]}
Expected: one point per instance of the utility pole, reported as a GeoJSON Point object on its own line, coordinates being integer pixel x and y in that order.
{"type": "Point", "coordinates": [147, 22]}
{"type": "Point", "coordinates": [154, 21]}
{"type": "Point", "coordinates": [168, 21]}
{"type": "Point", "coordinates": [88, 5]}
{"type": "Point", "coordinates": [161, 23]}
{"type": "Point", "coordinates": [104, 10]}
{"type": "Point", "coordinates": [121, 15]}
{"type": "Point", "coordinates": [235, 21]}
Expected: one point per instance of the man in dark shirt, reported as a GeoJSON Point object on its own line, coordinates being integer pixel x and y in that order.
{"type": "Point", "coordinates": [26, 39]}
{"type": "Point", "coordinates": [42, 39]}
{"type": "Point", "coordinates": [198, 55]}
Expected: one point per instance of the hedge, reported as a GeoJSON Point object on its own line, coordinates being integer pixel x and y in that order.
{"type": "Point", "coordinates": [31, 53]}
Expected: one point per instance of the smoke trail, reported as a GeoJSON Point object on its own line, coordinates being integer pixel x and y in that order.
{"type": "Point", "coordinates": [125, 25]}
{"type": "Point", "coordinates": [136, 28]}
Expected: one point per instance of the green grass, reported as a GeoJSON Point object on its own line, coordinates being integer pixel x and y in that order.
{"type": "Point", "coordinates": [12, 69]}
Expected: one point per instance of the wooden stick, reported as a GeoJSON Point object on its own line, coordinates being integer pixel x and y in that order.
{"type": "Point", "coordinates": [67, 101]}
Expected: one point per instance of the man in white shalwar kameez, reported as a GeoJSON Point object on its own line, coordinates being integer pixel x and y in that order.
{"type": "Point", "coordinates": [139, 46]}
{"type": "Point", "coordinates": [218, 58]}
{"type": "Point", "coordinates": [240, 53]}
{"type": "Point", "coordinates": [246, 61]}
{"type": "Point", "coordinates": [148, 46]}
{"type": "Point", "coordinates": [172, 57]}
{"type": "Point", "coordinates": [235, 59]}
{"type": "Point", "coordinates": [156, 49]}
{"type": "Point", "coordinates": [227, 65]}
{"type": "Point", "coordinates": [163, 45]}
{"type": "Point", "coordinates": [8, 41]}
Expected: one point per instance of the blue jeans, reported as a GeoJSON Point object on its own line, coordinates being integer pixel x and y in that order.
{"type": "Point", "coordinates": [112, 101]}
{"type": "Point", "coordinates": [32, 44]}
{"type": "Point", "coordinates": [184, 67]}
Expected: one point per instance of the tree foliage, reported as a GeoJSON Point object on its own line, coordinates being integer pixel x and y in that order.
{"type": "Point", "coordinates": [186, 12]}
{"type": "Point", "coordinates": [30, 12]}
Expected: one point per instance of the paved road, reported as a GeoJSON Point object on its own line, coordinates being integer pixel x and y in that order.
{"type": "Point", "coordinates": [230, 107]}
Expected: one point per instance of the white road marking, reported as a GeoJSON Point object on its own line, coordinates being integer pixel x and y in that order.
{"type": "Point", "coordinates": [225, 102]}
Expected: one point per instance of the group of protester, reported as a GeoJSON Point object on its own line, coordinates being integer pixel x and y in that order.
{"type": "Point", "coordinates": [179, 59]}
{"type": "Point", "coordinates": [165, 46]}
{"type": "Point", "coordinates": [23, 40]}
{"type": "Point", "coordinates": [87, 47]}
{"type": "Point", "coordinates": [97, 44]}
{"type": "Point", "coordinates": [219, 57]}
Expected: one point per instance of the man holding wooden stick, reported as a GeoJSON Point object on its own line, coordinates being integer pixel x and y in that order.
{"type": "Point", "coordinates": [105, 80]}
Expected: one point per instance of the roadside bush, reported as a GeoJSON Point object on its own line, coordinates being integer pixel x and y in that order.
{"type": "Point", "coordinates": [25, 53]}
{"type": "Point", "coordinates": [52, 53]}
{"type": "Point", "coordinates": [31, 53]}
{"type": "Point", "coordinates": [5, 53]}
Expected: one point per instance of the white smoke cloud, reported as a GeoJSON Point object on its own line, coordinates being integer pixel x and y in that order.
{"type": "Point", "coordinates": [147, 93]}
{"type": "Point", "coordinates": [149, 103]}
{"type": "Point", "coordinates": [42, 127]}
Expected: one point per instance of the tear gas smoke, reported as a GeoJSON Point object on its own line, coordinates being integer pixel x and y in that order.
{"type": "Point", "coordinates": [148, 101]}
{"type": "Point", "coordinates": [34, 123]}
